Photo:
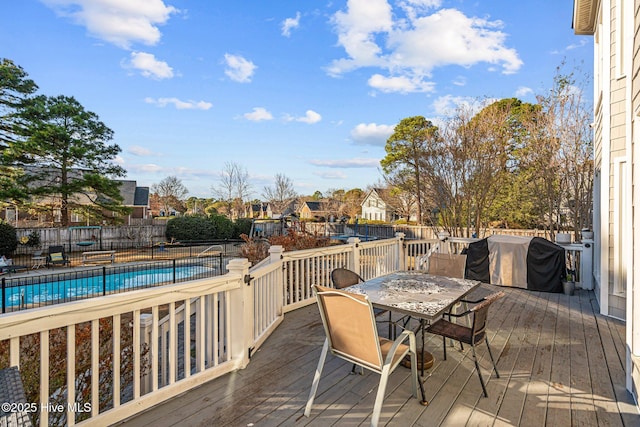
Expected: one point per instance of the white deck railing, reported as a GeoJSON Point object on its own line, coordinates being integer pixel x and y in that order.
{"type": "Point", "coordinates": [152, 344]}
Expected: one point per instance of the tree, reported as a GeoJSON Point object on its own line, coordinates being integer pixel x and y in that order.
{"type": "Point", "coordinates": [490, 140]}
{"type": "Point", "coordinates": [406, 149]}
{"type": "Point", "coordinates": [15, 90]}
{"type": "Point", "coordinates": [170, 192]}
{"type": "Point", "coordinates": [567, 128]}
{"type": "Point", "coordinates": [65, 154]}
{"type": "Point", "coordinates": [8, 239]}
{"type": "Point", "coordinates": [234, 188]}
{"type": "Point", "coordinates": [197, 205]}
{"type": "Point", "coordinates": [281, 194]}
{"type": "Point", "coordinates": [353, 202]}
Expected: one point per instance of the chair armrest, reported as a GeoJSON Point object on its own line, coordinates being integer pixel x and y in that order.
{"type": "Point", "coordinates": [406, 334]}
{"type": "Point", "coordinates": [472, 301]}
{"type": "Point", "coordinates": [466, 313]}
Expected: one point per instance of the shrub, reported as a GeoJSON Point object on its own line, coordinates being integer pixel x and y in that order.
{"type": "Point", "coordinates": [294, 241]}
{"type": "Point", "coordinates": [8, 239]}
{"type": "Point", "coordinates": [190, 228]}
{"type": "Point", "coordinates": [242, 226]}
{"type": "Point", "coordinates": [255, 250]}
{"type": "Point", "coordinates": [223, 226]}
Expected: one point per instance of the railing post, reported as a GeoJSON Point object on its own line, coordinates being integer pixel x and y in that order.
{"type": "Point", "coordinates": [355, 258]}
{"type": "Point", "coordinates": [443, 248]}
{"type": "Point", "coordinates": [275, 255]}
{"type": "Point", "coordinates": [401, 254]}
{"type": "Point", "coordinates": [241, 313]}
{"type": "Point", "coordinates": [174, 270]}
{"type": "Point", "coordinates": [146, 320]}
{"type": "Point", "coordinates": [586, 264]}
{"type": "Point", "coordinates": [104, 280]}
{"type": "Point", "coordinates": [4, 295]}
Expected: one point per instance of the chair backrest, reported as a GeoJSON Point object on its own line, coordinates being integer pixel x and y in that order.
{"type": "Point", "coordinates": [57, 255]}
{"type": "Point", "coordinates": [56, 249]}
{"type": "Point", "coordinates": [449, 265]}
{"type": "Point", "coordinates": [480, 313]}
{"type": "Point", "coordinates": [342, 278]}
{"type": "Point", "coordinates": [350, 326]}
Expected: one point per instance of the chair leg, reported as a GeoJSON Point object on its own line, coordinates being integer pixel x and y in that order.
{"type": "Point", "coordinates": [377, 407]}
{"type": "Point", "coordinates": [475, 360]}
{"type": "Point", "coordinates": [316, 378]}
{"type": "Point", "coordinates": [444, 347]}
{"type": "Point", "coordinates": [495, 368]}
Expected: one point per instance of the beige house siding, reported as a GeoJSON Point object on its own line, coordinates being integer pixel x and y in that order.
{"type": "Point", "coordinates": [615, 25]}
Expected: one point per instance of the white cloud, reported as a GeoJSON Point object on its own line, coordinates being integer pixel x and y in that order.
{"type": "Point", "coordinates": [523, 91]}
{"type": "Point", "coordinates": [347, 163]}
{"type": "Point", "coordinates": [401, 84]}
{"type": "Point", "coordinates": [310, 117]}
{"type": "Point", "coordinates": [290, 24]}
{"type": "Point", "coordinates": [258, 114]}
{"type": "Point", "coordinates": [409, 42]}
{"type": "Point", "coordinates": [446, 105]}
{"type": "Point", "coordinates": [371, 134]}
{"type": "Point", "coordinates": [581, 43]}
{"type": "Point", "coordinates": [331, 175]}
{"type": "Point", "coordinates": [137, 150]}
{"type": "Point", "coordinates": [178, 104]}
{"type": "Point", "coordinates": [460, 81]}
{"type": "Point", "coordinates": [239, 69]}
{"type": "Point", "coordinates": [149, 66]}
{"type": "Point", "coordinates": [149, 167]}
{"type": "Point", "coordinates": [120, 22]}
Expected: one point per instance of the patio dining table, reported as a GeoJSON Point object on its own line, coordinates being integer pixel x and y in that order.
{"type": "Point", "coordinates": [416, 294]}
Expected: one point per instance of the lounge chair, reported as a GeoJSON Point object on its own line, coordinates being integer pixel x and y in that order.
{"type": "Point", "coordinates": [57, 256]}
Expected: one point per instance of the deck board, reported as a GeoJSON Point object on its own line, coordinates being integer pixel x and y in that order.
{"type": "Point", "coordinates": [560, 364]}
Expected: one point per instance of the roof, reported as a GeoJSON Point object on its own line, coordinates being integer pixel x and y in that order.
{"type": "Point", "coordinates": [380, 192]}
{"type": "Point", "coordinates": [133, 195]}
{"type": "Point", "coordinates": [141, 197]}
{"type": "Point", "coordinates": [315, 206]}
{"type": "Point", "coordinates": [584, 16]}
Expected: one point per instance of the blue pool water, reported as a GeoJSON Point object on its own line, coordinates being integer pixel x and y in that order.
{"type": "Point", "coordinates": [72, 289]}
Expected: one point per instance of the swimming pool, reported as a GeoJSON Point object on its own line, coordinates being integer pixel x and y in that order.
{"type": "Point", "coordinates": [95, 284]}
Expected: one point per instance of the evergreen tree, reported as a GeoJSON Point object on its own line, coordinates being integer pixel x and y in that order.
{"type": "Point", "coordinates": [66, 157]}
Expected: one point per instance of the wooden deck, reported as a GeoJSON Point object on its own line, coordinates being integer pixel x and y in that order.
{"type": "Point", "coordinates": [560, 364]}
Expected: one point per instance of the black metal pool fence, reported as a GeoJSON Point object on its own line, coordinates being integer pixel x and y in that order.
{"type": "Point", "coordinates": [30, 291]}
{"type": "Point", "coordinates": [131, 251]}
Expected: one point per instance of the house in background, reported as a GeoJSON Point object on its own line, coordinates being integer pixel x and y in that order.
{"type": "Point", "coordinates": [376, 208]}
{"type": "Point", "coordinates": [259, 210]}
{"type": "Point", "coordinates": [136, 198]}
{"type": "Point", "coordinates": [313, 210]}
{"type": "Point", "coordinates": [614, 26]}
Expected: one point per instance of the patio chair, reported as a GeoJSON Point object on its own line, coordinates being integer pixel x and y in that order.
{"type": "Point", "coordinates": [343, 277]}
{"type": "Point", "coordinates": [351, 334]}
{"type": "Point", "coordinates": [57, 256]}
{"type": "Point", "coordinates": [472, 335]}
{"type": "Point", "coordinates": [449, 265]}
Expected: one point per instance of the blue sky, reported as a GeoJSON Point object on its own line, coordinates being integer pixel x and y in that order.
{"type": "Point", "coordinates": [309, 89]}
